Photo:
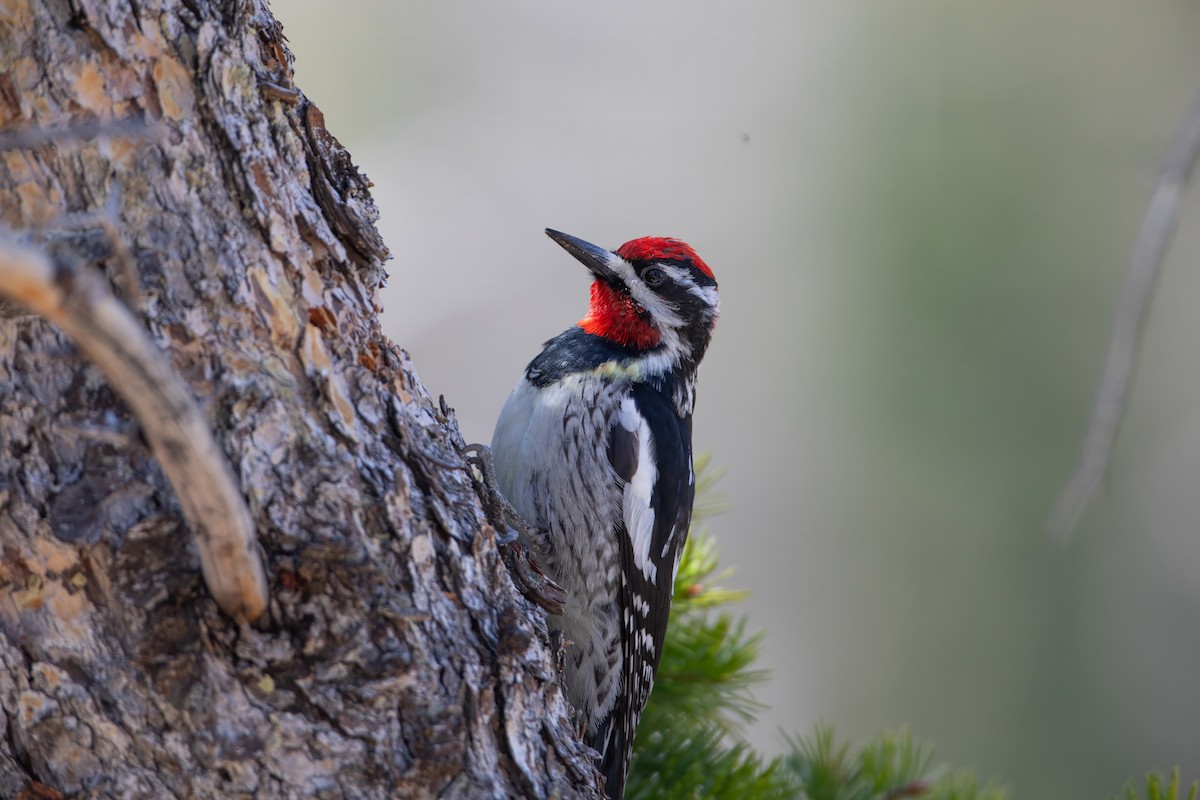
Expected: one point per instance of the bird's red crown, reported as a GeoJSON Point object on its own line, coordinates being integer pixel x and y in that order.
{"type": "Point", "coordinates": [662, 248]}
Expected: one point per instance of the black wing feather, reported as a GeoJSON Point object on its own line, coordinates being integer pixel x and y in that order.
{"type": "Point", "coordinates": [646, 604]}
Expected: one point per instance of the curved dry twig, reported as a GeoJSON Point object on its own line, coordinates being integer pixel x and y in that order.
{"type": "Point", "coordinates": [1112, 396]}
{"type": "Point", "coordinates": [80, 302]}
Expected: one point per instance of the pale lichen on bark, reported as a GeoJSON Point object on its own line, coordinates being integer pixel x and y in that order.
{"type": "Point", "coordinates": [395, 659]}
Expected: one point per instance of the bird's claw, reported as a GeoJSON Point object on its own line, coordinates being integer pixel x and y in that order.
{"type": "Point", "coordinates": [526, 571]}
{"type": "Point", "coordinates": [532, 581]}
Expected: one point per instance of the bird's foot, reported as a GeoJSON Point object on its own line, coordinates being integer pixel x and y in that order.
{"type": "Point", "coordinates": [531, 580]}
{"type": "Point", "coordinates": [526, 571]}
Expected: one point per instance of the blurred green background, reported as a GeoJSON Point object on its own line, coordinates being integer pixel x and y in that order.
{"type": "Point", "coordinates": [920, 214]}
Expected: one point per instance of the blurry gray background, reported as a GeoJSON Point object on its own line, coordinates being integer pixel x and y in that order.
{"type": "Point", "coordinates": [919, 213]}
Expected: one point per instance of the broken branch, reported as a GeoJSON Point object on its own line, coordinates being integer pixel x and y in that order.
{"type": "Point", "coordinates": [1112, 396]}
{"type": "Point", "coordinates": [80, 302]}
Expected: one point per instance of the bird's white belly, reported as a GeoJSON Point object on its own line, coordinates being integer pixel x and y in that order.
{"type": "Point", "coordinates": [551, 456]}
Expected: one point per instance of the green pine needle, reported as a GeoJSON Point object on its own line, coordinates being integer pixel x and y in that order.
{"type": "Point", "coordinates": [704, 676]}
{"type": "Point", "coordinates": [964, 785]}
{"type": "Point", "coordinates": [893, 762]}
{"type": "Point", "coordinates": [702, 765]}
{"type": "Point", "coordinates": [708, 501]}
{"type": "Point", "coordinates": [693, 582]}
{"type": "Point", "coordinates": [890, 767]}
{"type": "Point", "coordinates": [1155, 789]}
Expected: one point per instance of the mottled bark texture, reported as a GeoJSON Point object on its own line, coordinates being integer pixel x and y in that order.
{"type": "Point", "coordinates": [395, 659]}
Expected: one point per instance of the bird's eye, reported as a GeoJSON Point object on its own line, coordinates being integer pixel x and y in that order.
{"type": "Point", "coordinates": [654, 276]}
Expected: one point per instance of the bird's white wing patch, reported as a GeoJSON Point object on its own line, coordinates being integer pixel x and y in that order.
{"type": "Point", "coordinates": [639, 491]}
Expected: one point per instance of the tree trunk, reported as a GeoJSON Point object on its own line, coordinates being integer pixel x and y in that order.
{"type": "Point", "coordinates": [395, 658]}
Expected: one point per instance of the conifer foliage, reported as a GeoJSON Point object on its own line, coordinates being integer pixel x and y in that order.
{"type": "Point", "coordinates": [690, 744]}
{"type": "Point", "coordinates": [1159, 787]}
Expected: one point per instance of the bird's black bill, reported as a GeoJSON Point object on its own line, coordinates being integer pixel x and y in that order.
{"type": "Point", "coordinates": [597, 259]}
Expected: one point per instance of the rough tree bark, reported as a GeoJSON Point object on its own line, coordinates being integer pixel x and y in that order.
{"type": "Point", "coordinates": [395, 659]}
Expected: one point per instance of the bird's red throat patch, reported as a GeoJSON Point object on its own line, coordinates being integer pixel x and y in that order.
{"type": "Point", "coordinates": [617, 317]}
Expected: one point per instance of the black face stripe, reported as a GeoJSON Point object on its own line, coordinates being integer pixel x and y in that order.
{"type": "Point", "coordinates": [695, 272]}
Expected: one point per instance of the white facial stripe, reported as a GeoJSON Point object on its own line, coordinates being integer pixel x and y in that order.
{"type": "Point", "coordinates": [678, 274]}
{"type": "Point", "coordinates": [709, 295]}
{"type": "Point", "coordinates": [663, 313]}
{"type": "Point", "coordinates": [684, 278]}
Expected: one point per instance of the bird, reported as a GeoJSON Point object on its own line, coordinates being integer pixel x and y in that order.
{"type": "Point", "coordinates": [593, 449]}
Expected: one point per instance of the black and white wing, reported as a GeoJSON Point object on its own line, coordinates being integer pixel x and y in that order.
{"type": "Point", "coordinates": [651, 450]}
